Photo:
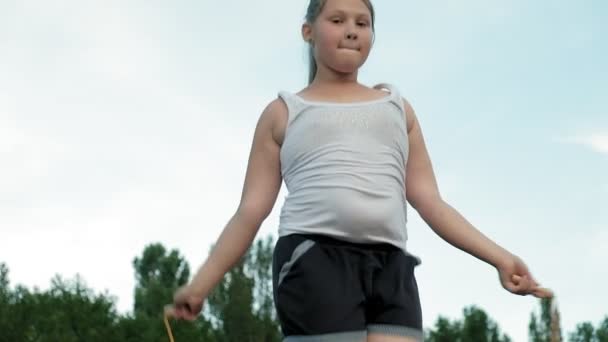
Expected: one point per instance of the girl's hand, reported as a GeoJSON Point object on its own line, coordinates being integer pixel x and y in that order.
{"type": "Point", "coordinates": [516, 278]}
{"type": "Point", "coordinates": [186, 304]}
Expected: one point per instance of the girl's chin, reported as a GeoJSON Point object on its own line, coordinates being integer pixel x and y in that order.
{"type": "Point", "coordinates": [347, 69]}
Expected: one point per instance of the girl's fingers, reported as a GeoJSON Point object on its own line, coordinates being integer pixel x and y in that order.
{"type": "Point", "coordinates": [520, 282]}
{"type": "Point", "coordinates": [176, 312]}
{"type": "Point", "coordinates": [170, 311]}
{"type": "Point", "coordinates": [514, 285]}
{"type": "Point", "coordinates": [541, 292]}
{"type": "Point", "coordinates": [523, 285]}
{"type": "Point", "coordinates": [527, 286]}
{"type": "Point", "coordinates": [189, 317]}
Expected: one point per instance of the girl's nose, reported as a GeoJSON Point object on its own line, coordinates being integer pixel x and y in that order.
{"type": "Point", "coordinates": [351, 35]}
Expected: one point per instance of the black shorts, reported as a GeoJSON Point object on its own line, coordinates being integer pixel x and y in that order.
{"type": "Point", "coordinates": [332, 290]}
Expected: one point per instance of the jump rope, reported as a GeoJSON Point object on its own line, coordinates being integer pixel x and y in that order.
{"type": "Point", "coordinates": [555, 326]}
{"type": "Point", "coordinates": [168, 326]}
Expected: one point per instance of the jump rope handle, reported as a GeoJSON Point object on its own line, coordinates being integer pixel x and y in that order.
{"type": "Point", "coordinates": [168, 326]}
{"type": "Point", "coordinates": [166, 320]}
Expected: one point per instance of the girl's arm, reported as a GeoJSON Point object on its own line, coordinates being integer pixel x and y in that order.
{"type": "Point", "coordinates": [262, 184]}
{"type": "Point", "coordinates": [423, 194]}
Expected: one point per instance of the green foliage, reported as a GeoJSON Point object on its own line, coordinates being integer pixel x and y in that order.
{"type": "Point", "coordinates": [68, 311]}
{"type": "Point", "coordinates": [475, 326]}
{"type": "Point", "coordinates": [479, 327]}
{"type": "Point", "coordinates": [545, 327]}
{"type": "Point", "coordinates": [586, 332]}
{"type": "Point", "coordinates": [242, 303]}
{"type": "Point", "coordinates": [158, 274]}
{"type": "Point", "coordinates": [445, 331]}
{"type": "Point", "coordinates": [241, 308]}
{"type": "Point", "coordinates": [539, 328]}
{"type": "Point", "coordinates": [601, 333]}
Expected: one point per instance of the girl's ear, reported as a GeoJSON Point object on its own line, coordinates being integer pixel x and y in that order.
{"type": "Point", "coordinates": [307, 32]}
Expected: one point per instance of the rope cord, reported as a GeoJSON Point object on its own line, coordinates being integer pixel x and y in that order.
{"type": "Point", "coordinates": [168, 326]}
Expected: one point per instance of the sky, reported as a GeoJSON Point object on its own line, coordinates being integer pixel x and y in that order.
{"type": "Point", "coordinates": [124, 123]}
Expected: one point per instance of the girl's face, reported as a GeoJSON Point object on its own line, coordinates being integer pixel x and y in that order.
{"type": "Point", "coordinates": [341, 35]}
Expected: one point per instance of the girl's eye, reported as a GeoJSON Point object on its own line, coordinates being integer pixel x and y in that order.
{"type": "Point", "coordinates": [362, 24]}
{"type": "Point", "coordinates": [336, 21]}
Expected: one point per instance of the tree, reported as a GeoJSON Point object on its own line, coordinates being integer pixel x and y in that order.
{"type": "Point", "coordinates": [585, 332]}
{"type": "Point", "coordinates": [68, 311]}
{"type": "Point", "coordinates": [260, 267]}
{"type": "Point", "coordinates": [601, 333]}
{"type": "Point", "coordinates": [241, 308]}
{"type": "Point", "coordinates": [158, 274]}
{"type": "Point", "coordinates": [478, 326]}
{"type": "Point", "coordinates": [545, 328]}
{"type": "Point", "coordinates": [475, 326]}
{"type": "Point", "coordinates": [8, 321]}
{"type": "Point", "coordinates": [4, 295]}
{"type": "Point", "coordinates": [445, 331]}
{"type": "Point", "coordinates": [242, 304]}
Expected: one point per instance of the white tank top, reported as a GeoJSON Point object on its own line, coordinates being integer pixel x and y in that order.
{"type": "Point", "coordinates": [344, 167]}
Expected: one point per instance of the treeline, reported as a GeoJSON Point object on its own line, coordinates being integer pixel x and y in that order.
{"type": "Point", "coordinates": [239, 309]}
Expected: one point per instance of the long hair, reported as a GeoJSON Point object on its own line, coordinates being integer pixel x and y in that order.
{"type": "Point", "coordinates": [314, 9]}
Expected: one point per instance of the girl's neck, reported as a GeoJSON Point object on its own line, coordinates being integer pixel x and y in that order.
{"type": "Point", "coordinates": [334, 82]}
{"type": "Point", "coordinates": [329, 78]}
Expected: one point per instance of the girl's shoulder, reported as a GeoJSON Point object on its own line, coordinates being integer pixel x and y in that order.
{"type": "Point", "coordinates": [405, 106]}
{"type": "Point", "coordinates": [276, 115]}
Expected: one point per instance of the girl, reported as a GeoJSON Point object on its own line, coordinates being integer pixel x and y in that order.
{"type": "Point", "coordinates": [351, 157]}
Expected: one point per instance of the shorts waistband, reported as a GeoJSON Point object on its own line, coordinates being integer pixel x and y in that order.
{"type": "Point", "coordinates": [328, 240]}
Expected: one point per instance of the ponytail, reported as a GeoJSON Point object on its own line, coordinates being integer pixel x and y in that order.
{"type": "Point", "coordinates": [312, 64]}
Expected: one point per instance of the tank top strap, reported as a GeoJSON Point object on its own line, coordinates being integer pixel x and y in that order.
{"type": "Point", "coordinates": [395, 96]}
{"type": "Point", "coordinates": [294, 106]}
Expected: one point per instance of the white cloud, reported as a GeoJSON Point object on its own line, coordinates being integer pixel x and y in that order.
{"type": "Point", "coordinates": [596, 141]}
